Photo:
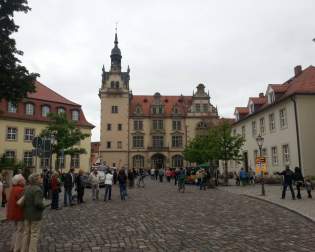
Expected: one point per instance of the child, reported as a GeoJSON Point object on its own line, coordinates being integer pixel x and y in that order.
{"type": "Point", "coordinates": [309, 187]}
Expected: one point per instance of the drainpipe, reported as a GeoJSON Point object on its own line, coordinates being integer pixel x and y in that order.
{"type": "Point", "coordinates": [297, 131]}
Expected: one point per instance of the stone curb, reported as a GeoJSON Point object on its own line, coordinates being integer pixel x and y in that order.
{"type": "Point", "coordinates": [274, 203]}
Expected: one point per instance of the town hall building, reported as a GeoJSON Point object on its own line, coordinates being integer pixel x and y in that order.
{"type": "Point", "coordinates": [148, 131]}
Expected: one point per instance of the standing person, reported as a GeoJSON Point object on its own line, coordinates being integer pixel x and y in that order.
{"type": "Point", "coordinates": [152, 173]}
{"type": "Point", "coordinates": [203, 179]}
{"type": "Point", "coordinates": [95, 180]}
{"type": "Point", "coordinates": [46, 183]}
{"type": "Point", "coordinates": [55, 190]}
{"type": "Point", "coordinates": [156, 174]}
{"type": "Point", "coordinates": [181, 180]}
{"type": "Point", "coordinates": [131, 178]}
{"type": "Point", "coordinates": [251, 174]}
{"type": "Point", "coordinates": [287, 181]}
{"type": "Point", "coordinates": [122, 179]}
{"type": "Point", "coordinates": [168, 175]}
{"type": "Point", "coordinates": [68, 185]}
{"type": "Point", "coordinates": [1, 191]}
{"type": "Point", "coordinates": [141, 178]}
{"type": "Point", "coordinates": [309, 187]}
{"type": "Point", "coordinates": [15, 211]}
{"type": "Point", "coordinates": [299, 181]}
{"type": "Point", "coordinates": [115, 176]}
{"type": "Point", "coordinates": [243, 177]}
{"type": "Point", "coordinates": [33, 212]}
{"type": "Point", "coordinates": [80, 186]}
{"type": "Point", "coordinates": [176, 175]}
{"type": "Point", "coordinates": [161, 174]}
{"type": "Point", "coordinates": [108, 185]}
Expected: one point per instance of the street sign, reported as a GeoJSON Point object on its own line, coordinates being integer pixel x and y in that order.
{"type": "Point", "coordinates": [261, 165]}
{"type": "Point", "coordinates": [37, 142]}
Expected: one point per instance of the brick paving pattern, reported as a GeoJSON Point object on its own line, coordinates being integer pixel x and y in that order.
{"type": "Point", "coordinates": [158, 218]}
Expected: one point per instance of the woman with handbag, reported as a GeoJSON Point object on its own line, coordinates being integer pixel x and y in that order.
{"type": "Point", "coordinates": [55, 189]}
{"type": "Point", "coordinates": [15, 211]}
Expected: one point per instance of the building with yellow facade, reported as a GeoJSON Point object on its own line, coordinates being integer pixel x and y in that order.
{"type": "Point", "coordinates": [20, 123]}
{"type": "Point", "coordinates": [148, 131]}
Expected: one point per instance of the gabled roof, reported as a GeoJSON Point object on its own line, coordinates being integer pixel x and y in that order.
{"type": "Point", "coordinates": [242, 110]}
{"type": "Point", "coordinates": [145, 101]}
{"type": "Point", "coordinates": [302, 83]}
{"type": "Point", "coordinates": [45, 93]}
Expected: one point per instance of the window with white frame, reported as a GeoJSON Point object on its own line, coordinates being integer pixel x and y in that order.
{"type": "Point", "coordinates": [114, 109]}
{"type": "Point", "coordinates": [243, 131]}
{"type": "Point", "coordinates": [205, 107]}
{"type": "Point", "coordinates": [12, 134]}
{"type": "Point", "coordinates": [75, 161]}
{"type": "Point", "coordinates": [138, 161]}
{"type": "Point", "coordinates": [45, 110]}
{"type": "Point", "coordinates": [262, 125]}
{"type": "Point", "coordinates": [12, 107]}
{"type": "Point", "coordinates": [274, 155]}
{"type": "Point", "coordinates": [61, 110]}
{"type": "Point", "coordinates": [119, 145]}
{"type": "Point", "coordinates": [28, 158]}
{"type": "Point", "coordinates": [138, 125]}
{"type": "Point", "coordinates": [177, 141]}
{"type": "Point", "coordinates": [158, 141]}
{"type": "Point", "coordinates": [29, 109]}
{"type": "Point", "coordinates": [138, 141]}
{"type": "Point", "coordinates": [29, 134]}
{"type": "Point", "coordinates": [285, 154]}
{"type": "Point", "coordinates": [272, 122]}
{"type": "Point", "coordinates": [283, 118]}
{"type": "Point", "coordinates": [254, 128]}
{"type": "Point", "coordinates": [157, 124]}
{"type": "Point", "coordinates": [197, 107]}
{"type": "Point", "coordinates": [75, 115]}
{"type": "Point", "coordinates": [10, 155]}
{"type": "Point", "coordinates": [177, 125]}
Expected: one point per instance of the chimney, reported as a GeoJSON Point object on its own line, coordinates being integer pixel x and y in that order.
{"type": "Point", "coordinates": [261, 95]}
{"type": "Point", "coordinates": [297, 70]}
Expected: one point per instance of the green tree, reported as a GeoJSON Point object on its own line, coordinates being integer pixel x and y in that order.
{"type": "Point", "coordinates": [15, 80]}
{"type": "Point", "coordinates": [66, 133]}
{"type": "Point", "coordinates": [225, 146]}
{"type": "Point", "coordinates": [196, 151]}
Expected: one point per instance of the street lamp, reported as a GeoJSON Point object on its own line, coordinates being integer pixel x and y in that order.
{"type": "Point", "coordinates": [260, 142]}
{"type": "Point", "coordinates": [53, 141]}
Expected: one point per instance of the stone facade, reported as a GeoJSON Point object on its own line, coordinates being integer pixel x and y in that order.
{"type": "Point", "coordinates": [145, 131]}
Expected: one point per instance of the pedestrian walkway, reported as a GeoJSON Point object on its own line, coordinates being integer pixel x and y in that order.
{"type": "Point", "coordinates": [305, 206]}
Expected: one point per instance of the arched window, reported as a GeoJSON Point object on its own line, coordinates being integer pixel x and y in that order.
{"type": "Point", "coordinates": [29, 109]}
{"type": "Point", "coordinates": [12, 107]}
{"type": "Point", "coordinates": [138, 161]}
{"type": "Point", "coordinates": [75, 115]}
{"type": "Point", "coordinates": [177, 161]}
{"type": "Point", "coordinates": [45, 110]}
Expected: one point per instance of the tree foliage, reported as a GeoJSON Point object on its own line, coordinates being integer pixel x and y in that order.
{"type": "Point", "coordinates": [66, 133]}
{"type": "Point", "coordinates": [218, 144]}
{"type": "Point", "coordinates": [15, 80]}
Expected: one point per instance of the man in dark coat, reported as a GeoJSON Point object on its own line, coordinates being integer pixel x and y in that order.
{"type": "Point", "coordinates": [288, 177]}
{"type": "Point", "coordinates": [69, 180]}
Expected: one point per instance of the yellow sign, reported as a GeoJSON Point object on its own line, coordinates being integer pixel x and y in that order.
{"type": "Point", "coordinates": [261, 165]}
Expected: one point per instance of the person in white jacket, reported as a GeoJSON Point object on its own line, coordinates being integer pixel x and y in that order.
{"type": "Point", "coordinates": [108, 185]}
{"type": "Point", "coordinates": [95, 180]}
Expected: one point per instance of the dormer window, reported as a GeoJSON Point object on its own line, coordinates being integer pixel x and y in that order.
{"type": "Point", "coordinates": [75, 115]}
{"type": "Point", "coordinates": [61, 110]}
{"type": "Point", "coordinates": [271, 97]}
{"type": "Point", "coordinates": [138, 110]}
{"type": "Point", "coordinates": [251, 108]}
{"type": "Point", "coordinates": [29, 109]}
{"type": "Point", "coordinates": [12, 107]}
{"type": "Point", "coordinates": [237, 115]}
{"type": "Point", "coordinates": [157, 109]}
{"type": "Point", "coordinates": [45, 110]}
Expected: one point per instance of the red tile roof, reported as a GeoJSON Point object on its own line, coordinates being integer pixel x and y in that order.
{"type": "Point", "coordinates": [45, 93]}
{"type": "Point", "coordinates": [303, 83]}
{"type": "Point", "coordinates": [242, 110]}
{"type": "Point", "coordinates": [182, 103]}
{"type": "Point", "coordinates": [43, 96]}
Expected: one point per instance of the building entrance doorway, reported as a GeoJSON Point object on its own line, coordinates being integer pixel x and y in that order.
{"type": "Point", "coordinates": [158, 161]}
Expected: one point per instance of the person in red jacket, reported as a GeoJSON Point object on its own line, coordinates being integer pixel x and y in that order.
{"type": "Point", "coordinates": [15, 212]}
{"type": "Point", "coordinates": [55, 189]}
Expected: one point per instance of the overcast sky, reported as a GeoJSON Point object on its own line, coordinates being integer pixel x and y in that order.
{"type": "Point", "coordinates": [234, 47]}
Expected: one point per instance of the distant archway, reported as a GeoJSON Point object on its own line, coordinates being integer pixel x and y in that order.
{"type": "Point", "coordinates": [138, 162]}
{"type": "Point", "coordinates": [158, 161]}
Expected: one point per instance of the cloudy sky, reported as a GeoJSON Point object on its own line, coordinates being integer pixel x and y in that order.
{"type": "Point", "coordinates": [234, 47]}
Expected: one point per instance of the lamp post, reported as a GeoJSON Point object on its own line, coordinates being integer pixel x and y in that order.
{"type": "Point", "coordinates": [260, 142]}
{"type": "Point", "coordinates": [53, 141]}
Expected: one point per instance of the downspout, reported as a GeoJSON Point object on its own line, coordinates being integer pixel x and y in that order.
{"type": "Point", "coordinates": [297, 131]}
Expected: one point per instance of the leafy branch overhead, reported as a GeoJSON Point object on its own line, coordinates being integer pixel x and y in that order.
{"type": "Point", "coordinates": [15, 79]}
{"type": "Point", "coordinates": [66, 133]}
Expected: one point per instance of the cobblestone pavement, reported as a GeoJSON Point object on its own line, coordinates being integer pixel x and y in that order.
{"type": "Point", "coordinates": [305, 206]}
{"type": "Point", "coordinates": [158, 218]}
